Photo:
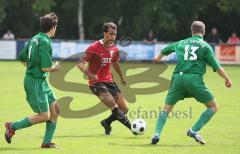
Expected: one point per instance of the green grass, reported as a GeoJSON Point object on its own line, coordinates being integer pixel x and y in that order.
{"type": "Point", "coordinates": [85, 135]}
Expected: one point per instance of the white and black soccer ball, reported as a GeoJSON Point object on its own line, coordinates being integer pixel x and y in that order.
{"type": "Point", "coordinates": [138, 127]}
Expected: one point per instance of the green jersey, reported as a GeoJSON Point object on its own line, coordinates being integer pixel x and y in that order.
{"type": "Point", "coordinates": [37, 53]}
{"type": "Point", "coordinates": [193, 54]}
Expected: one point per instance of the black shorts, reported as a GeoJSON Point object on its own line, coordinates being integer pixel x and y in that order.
{"type": "Point", "coordinates": [101, 87]}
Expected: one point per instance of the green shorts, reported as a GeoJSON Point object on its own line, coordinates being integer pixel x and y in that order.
{"type": "Point", "coordinates": [38, 94]}
{"type": "Point", "coordinates": [188, 85]}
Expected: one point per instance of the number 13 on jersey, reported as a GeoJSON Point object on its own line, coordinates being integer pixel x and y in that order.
{"type": "Point", "coordinates": [190, 50]}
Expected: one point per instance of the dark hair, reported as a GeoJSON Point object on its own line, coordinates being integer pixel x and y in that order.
{"type": "Point", "coordinates": [108, 25]}
{"type": "Point", "coordinates": [198, 27]}
{"type": "Point", "coordinates": [48, 21]}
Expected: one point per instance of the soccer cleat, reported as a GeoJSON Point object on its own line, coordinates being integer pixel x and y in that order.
{"type": "Point", "coordinates": [106, 127]}
{"type": "Point", "coordinates": [49, 145]}
{"type": "Point", "coordinates": [196, 136]}
{"type": "Point", "coordinates": [9, 132]}
{"type": "Point", "coordinates": [155, 138]}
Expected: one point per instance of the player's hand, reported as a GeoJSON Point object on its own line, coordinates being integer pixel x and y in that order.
{"type": "Point", "coordinates": [155, 60]}
{"type": "Point", "coordinates": [56, 67]}
{"type": "Point", "coordinates": [228, 83]}
{"type": "Point", "coordinates": [123, 82]}
{"type": "Point", "coordinates": [92, 76]}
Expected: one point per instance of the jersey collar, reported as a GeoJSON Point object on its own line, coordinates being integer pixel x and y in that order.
{"type": "Point", "coordinates": [101, 42]}
{"type": "Point", "coordinates": [198, 36]}
{"type": "Point", "coordinates": [45, 35]}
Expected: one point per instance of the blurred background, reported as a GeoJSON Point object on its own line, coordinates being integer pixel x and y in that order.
{"type": "Point", "coordinates": [149, 24]}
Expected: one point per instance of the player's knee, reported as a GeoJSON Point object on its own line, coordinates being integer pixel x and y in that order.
{"type": "Point", "coordinates": [45, 117]}
{"type": "Point", "coordinates": [110, 102]}
{"type": "Point", "coordinates": [215, 107]}
{"type": "Point", "coordinates": [125, 110]}
{"type": "Point", "coordinates": [168, 108]}
{"type": "Point", "coordinates": [57, 109]}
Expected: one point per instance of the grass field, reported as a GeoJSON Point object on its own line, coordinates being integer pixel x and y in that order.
{"type": "Point", "coordinates": [85, 135]}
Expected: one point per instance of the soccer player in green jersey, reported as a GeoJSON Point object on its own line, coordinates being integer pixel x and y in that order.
{"type": "Point", "coordinates": [36, 56]}
{"type": "Point", "coordinates": [187, 81]}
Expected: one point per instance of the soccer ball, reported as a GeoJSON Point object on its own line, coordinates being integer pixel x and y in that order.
{"type": "Point", "coordinates": [138, 127]}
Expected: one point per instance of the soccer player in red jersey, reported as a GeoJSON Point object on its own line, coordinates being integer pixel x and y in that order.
{"type": "Point", "coordinates": [100, 55]}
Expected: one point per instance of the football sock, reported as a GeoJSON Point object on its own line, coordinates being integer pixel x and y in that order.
{"type": "Point", "coordinates": [110, 119]}
{"type": "Point", "coordinates": [23, 123]}
{"type": "Point", "coordinates": [120, 116]}
{"type": "Point", "coordinates": [161, 122]}
{"type": "Point", "coordinates": [204, 118]}
{"type": "Point", "coordinates": [50, 128]}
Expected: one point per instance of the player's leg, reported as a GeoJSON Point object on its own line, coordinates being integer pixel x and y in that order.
{"type": "Point", "coordinates": [162, 118]}
{"type": "Point", "coordinates": [121, 102]}
{"type": "Point", "coordinates": [122, 105]}
{"type": "Point", "coordinates": [51, 126]}
{"type": "Point", "coordinates": [37, 100]}
{"type": "Point", "coordinates": [203, 95]}
{"type": "Point", "coordinates": [202, 121]}
{"type": "Point", "coordinates": [206, 115]}
{"type": "Point", "coordinates": [109, 101]}
{"type": "Point", "coordinates": [11, 127]}
{"type": "Point", "coordinates": [52, 122]}
{"type": "Point", "coordinates": [175, 93]}
{"type": "Point", "coordinates": [100, 88]}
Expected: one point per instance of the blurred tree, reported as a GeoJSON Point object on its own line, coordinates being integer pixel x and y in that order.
{"type": "Point", "coordinates": [43, 6]}
{"type": "Point", "coordinates": [22, 16]}
{"type": "Point", "coordinates": [169, 19]}
{"type": "Point", "coordinates": [67, 12]}
{"type": "Point", "coordinates": [80, 20]}
{"type": "Point", "coordinates": [2, 8]}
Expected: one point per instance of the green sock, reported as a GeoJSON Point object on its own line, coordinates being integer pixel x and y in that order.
{"type": "Point", "coordinates": [21, 124]}
{"type": "Point", "coordinates": [50, 128]}
{"type": "Point", "coordinates": [204, 118]}
{"type": "Point", "coordinates": [161, 122]}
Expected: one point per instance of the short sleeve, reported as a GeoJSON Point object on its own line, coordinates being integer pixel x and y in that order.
{"type": "Point", "coordinates": [169, 49]}
{"type": "Point", "coordinates": [116, 57]}
{"type": "Point", "coordinates": [23, 56]}
{"type": "Point", "coordinates": [45, 55]}
{"type": "Point", "coordinates": [88, 54]}
{"type": "Point", "coordinates": [211, 59]}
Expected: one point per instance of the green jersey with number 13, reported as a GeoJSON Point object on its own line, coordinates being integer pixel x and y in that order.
{"type": "Point", "coordinates": [193, 54]}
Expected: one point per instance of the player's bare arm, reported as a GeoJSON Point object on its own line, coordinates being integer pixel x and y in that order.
{"type": "Point", "coordinates": [158, 58]}
{"type": "Point", "coordinates": [81, 65]}
{"type": "Point", "coordinates": [119, 72]}
{"type": "Point", "coordinates": [54, 68]}
{"type": "Point", "coordinates": [222, 73]}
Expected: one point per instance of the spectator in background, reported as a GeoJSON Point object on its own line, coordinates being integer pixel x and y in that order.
{"type": "Point", "coordinates": [150, 38]}
{"type": "Point", "coordinates": [213, 37]}
{"type": "Point", "coordinates": [233, 39]}
{"type": "Point", "coordinates": [8, 35]}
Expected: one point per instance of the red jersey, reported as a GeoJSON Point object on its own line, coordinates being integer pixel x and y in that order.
{"type": "Point", "coordinates": [100, 59]}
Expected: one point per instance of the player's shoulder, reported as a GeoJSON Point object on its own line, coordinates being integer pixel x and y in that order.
{"type": "Point", "coordinates": [114, 48]}
{"type": "Point", "coordinates": [95, 43]}
{"type": "Point", "coordinates": [93, 46]}
{"type": "Point", "coordinates": [205, 45]}
{"type": "Point", "coordinates": [39, 39]}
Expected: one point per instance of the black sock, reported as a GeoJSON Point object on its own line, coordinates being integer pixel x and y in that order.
{"type": "Point", "coordinates": [110, 119]}
{"type": "Point", "coordinates": [120, 116]}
